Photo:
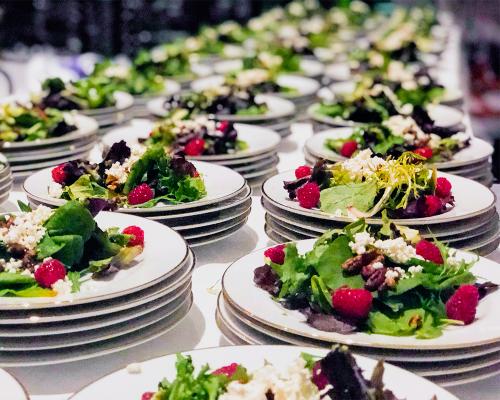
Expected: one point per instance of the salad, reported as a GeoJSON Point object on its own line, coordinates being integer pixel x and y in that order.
{"type": "Point", "coordinates": [387, 281]}
{"type": "Point", "coordinates": [137, 177]}
{"type": "Point", "coordinates": [169, 60]}
{"type": "Point", "coordinates": [87, 93]}
{"type": "Point", "coordinates": [47, 253]}
{"type": "Point", "coordinates": [20, 123]}
{"type": "Point", "coordinates": [278, 60]}
{"type": "Point", "coordinates": [335, 376]}
{"type": "Point", "coordinates": [222, 100]}
{"type": "Point", "coordinates": [399, 134]}
{"type": "Point", "coordinates": [257, 81]}
{"type": "Point", "coordinates": [367, 185]}
{"type": "Point", "coordinates": [196, 137]}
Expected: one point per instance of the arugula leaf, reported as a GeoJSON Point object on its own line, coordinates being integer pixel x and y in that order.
{"type": "Point", "coordinates": [23, 206]}
{"type": "Point", "coordinates": [321, 294]}
{"type": "Point", "coordinates": [359, 195]}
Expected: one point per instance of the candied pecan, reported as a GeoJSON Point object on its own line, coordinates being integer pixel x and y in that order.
{"type": "Point", "coordinates": [376, 280]}
{"type": "Point", "coordinates": [368, 270]}
{"type": "Point", "coordinates": [17, 250]}
{"type": "Point", "coordinates": [356, 263]}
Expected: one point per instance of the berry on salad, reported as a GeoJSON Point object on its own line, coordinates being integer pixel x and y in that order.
{"type": "Point", "coordinates": [222, 126]}
{"type": "Point", "coordinates": [443, 187]}
{"type": "Point", "coordinates": [352, 303]}
{"type": "Point", "coordinates": [462, 304]}
{"type": "Point", "coordinates": [147, 396]}
{"type": "Point", "coordinates": [49, 272]}
{"type": "Point", "coordinates": [140, 194]}
{"type": "Point", "coordinates": [429, 251]}
{"type": "Point", "coordinates": [349, 148]}
{"type": "Point", "coordinates": [59, 174]}
{"type": "Point", "coordinates": [303, 171]}
{"type": "Point", "coordinates": [228, 370]}
{"type": "Point", "coordinates": [433, 205]}
{"type": "Point", "coordinates": [318, 377]}
{"type": "Point", "coordinates": [425, 152]}
{"type": "Point", "coordinates": [137, 234]}
{"type": "Point", "coordinates": [194, 147]}
{"type": "Point", "coordinates": [308, 195]}
{"type": "Point", "coordinates": [276, 254]}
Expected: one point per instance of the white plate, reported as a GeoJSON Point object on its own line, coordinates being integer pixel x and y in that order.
{"type": "Point", "coordinates": [277, 108]}
{"type": "Point", "coordinates": [212, 238]}
{"type": "Point", "coordinates": [123, 102]}
{"type": "Point", "coordinates": [303, 86]}
{"type": "Point", "coordinates": [157, 261]}
{"type": "Point", "coordinates": [260, 140]}
{"type": "Point", "coordinates": [465, 206]}
{"type": "Point", "coordinates": [255, 303]}
{"type": "Point", "coordinates": [171, 87]}
{"type": "Point", "coordinates": [221, 183]}
{"type": "Point", "coordinates": [128, 386]}
{"type": "Point", "coordinates": [11, 387]}
{"type": "Point", "coordinates": [309, 67]}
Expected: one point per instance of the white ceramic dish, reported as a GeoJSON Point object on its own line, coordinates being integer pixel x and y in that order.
{"type": "Point", "coordinates": [11, 387]}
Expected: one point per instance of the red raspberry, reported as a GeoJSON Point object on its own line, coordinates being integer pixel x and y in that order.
{"type": "Point", "coordinates": [137, 235]}
{"type": "Point", "coordinates": [303, 171]}
{"type": "Point", "coordinates": [228, 370]}
{"type": "Point", "coordinates": [425, 152]}
{"type": "Point", "coordinates": [429, 251]}
{"type": "Point", "coordinates": [222, 126]}
{"type": "Point", "coordinates": [276, 254]}
{"type": "Point", "coordinates": [318, 378]}
{"type": "Point", "coordinates": [49, 272]}
{"type": "Point", "coordinates": [348, 148]}
{"type": "Point", "coordinates": [140, 194]}
{"type": "Point", "coordinates": [308, 195]}
{"type": "Point", "coordinates": [433, 205]}
{"type": "Point", "coordinates": [147, 395]}
{"type": "Point", "coordinates": [194, 147]}
{"type": "Point", "coordinates": [59, 174]}
{"type": "Point", "coordinates": [463, 303]}
{"type": "Point", "coordinates": [352, 303]}
{"type": "Point", "coordinates": [443, 187]}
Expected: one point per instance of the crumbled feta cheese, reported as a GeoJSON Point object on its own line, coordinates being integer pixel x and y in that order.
{"type": "Point", "coordinates": [12, 265]}
{"type": "Point", "coordinates": [27, 229]}
{"type": "Point", "coordinates": [117, 174]}
{"type": "Point", "coordinates": [396, 249]}
{"type": "Point", "coordinates": [377, 265]}
{"type": "Point", "coordinates": [363, 164]}
{"type": "Point", "coordinates": [361, 240]}
{"type": "Point", "coordinates": [55, 190]}
{"type": "Point", "coordinates": [415, 269]}
{"type": "Point", "coordinates": [63, 287]}
{"type": "Point", "coordinates": [405, 127]}
{"type": "Point", "coordinates": [401, 272]}
{"type": "Point", "coordinates": [391, 274]}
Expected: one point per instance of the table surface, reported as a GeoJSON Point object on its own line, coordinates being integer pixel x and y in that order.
{"type": "Point", "coordinates": [198, 329]}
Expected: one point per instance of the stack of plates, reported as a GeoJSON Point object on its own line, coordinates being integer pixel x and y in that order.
{"type": "Point", "coordinates": [6, 179]}
{"type": "Point", "coordinates": [117, 114]}
{"type": "Point", "coordinates": [25, 158]}
{"type": "Point", "coordinates": [303, 95]}
{"type": "Point", "coordinates": [219, 214]}
{"type": "Point", "coordinates": [471, 225]}
{"type": "Point", "coordinates": [247, 314]}
{"type": "Point", "coordinates": [140, 109]}
{"type": "Point", "coordinates": [255, 163]}
{"type": "Point", "coordinates": [472, 162]}
{"type": "Point", "coordinates": [135, 305]}
{"type": "Point", "coordinates": [279, 117]}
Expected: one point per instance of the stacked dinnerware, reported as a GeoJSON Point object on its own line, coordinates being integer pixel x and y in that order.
{"type": "Point", "coordinates": [473, 162]}
{"type": "Point", "coordinates": [279, 117]}
{"type": "Point", "coordinates": [258, 161]}
{"type": "Point", "coordinates": [246, 314]}
{"type": "Point", "coordinates": [6, 179]}
{"type": "Point", "coordinates": [25, 158]}
{"type": "Point", "coordinates": [131, 307]}
{"type": "Point", "coordinates": [223, 210]}
{"type": "Point", "coordinates": [107, 117]}
{"type": "Point", "coordinates": [472, 224]}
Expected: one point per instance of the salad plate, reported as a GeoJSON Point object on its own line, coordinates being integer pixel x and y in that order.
{"type": "Point", "coordinates": [210, 239]}
{"type": "Point", "coordinates": [11, 387]}
{"type": "Point", "coordinates": [244, 295]}
{"type": "Point", "coordinates": [217, 229]}
{"type": "Point", "coordinates": [402, 383]}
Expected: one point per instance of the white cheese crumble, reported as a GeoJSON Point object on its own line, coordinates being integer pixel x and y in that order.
{"type": "Point", "coordinates": [377, 265]}
{"type": "Point", "coordinates": [361, 240]}
{"type": "Point", "coordinates": [12, 265]}
{"type": "Point", "coordinates": [63, 287]}
{"type": "Point", "coordinates": [363, 164]}
{"type": "Point", "coordinates": [396, 249]}
{"type": "Point", "coordinates": [27, 229]}
{"type": "Point", "coordinates": [118, 172]}
{"type": "Point", "coordinates": [55, 190]}
{"type": "Point", "coordinates": [415, 269]}
{"type": "Point", "coordinates": [405, 127]}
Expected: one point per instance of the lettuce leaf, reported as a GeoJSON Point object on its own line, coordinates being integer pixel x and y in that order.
{"type": "Point", "coordinates": [84, 188]}
{"type": "Point", "coordinates": [359, 195]}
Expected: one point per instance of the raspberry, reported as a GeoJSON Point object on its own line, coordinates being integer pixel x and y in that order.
{"type": "Point", "coordinates": [433, 205]}
{"type": "Point", "coordinates": [222, 126]}
{"type": "Point", "coordinates": [348, 148]}
{"type": "Point", "coordinates": [443, 187]}
{"type": "Point", "coordinates": [318, 378]}
{"type": "Point", "coordinates": [59, 174]}
{"type": "Point", "coordinates": [303, 171]}
{"type": "Point", "coordinates": [308, 195]}
{"type": "Point", "coordinates": [49, 272]}
{"type": "Point", "coordinates": [137, 235]}
{"type": "Point", "coordinates": [276, 254]}
{"type": "Point", "coordinates": [194, 147]}
{"type": "Point", "coordinates": [147, 395]}
{"type": "Point", "coordinates": [463, 303]}
{"type": "Point", "coordinates": [228, 370]}
{"type": "Point", "coordinates": [140, 194]}
{"type": "Point", "coordinates": [425, 152]}
{"type": "Point", "coordinates": [352, 303]}
{"type": "Point", "coordinates": [429, 251]}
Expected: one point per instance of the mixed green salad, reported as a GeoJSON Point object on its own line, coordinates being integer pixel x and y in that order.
{"type": "Point", "coordinates": [137, 177]}
{"type": "Point", "coordinates": [335, 376]}
{"type": "Point", "coordinates": [169, 60]}
{"type": "Point", "coordinates": [279, 60]}
{"type": "Point", "coordinates": [257, 81]}
{"type": "Point", "coordinates": [367, 185]}
{"type": "Point", "coordinates": [19, 123]}
{"type": "Point", "coordinates": [222, 100]}
{"type": "Point", "coordinates": [196, 137]}
{"type": "Point", "coordinates": [384, 281]}
{"type": "Point", "coordinates": [397, 135]}
{"type": "Point", "coordinates": [47, 253]}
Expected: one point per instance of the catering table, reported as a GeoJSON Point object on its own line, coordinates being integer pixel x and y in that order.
{"type": "Point", "coordinates": [198, 329]}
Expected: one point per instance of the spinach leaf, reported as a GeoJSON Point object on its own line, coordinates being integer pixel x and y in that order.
{"type": "Point", "coordinates": [72, 218]}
